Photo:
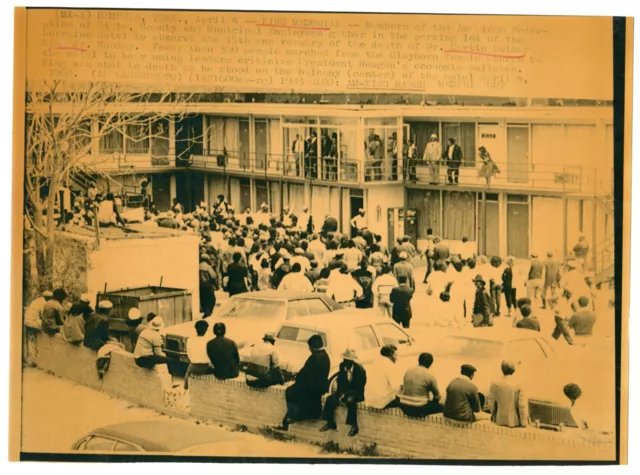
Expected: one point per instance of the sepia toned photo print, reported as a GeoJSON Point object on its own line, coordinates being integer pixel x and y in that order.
{"type": "Point", "coordinates": [289, 237]}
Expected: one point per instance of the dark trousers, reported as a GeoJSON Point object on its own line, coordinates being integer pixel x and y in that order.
{"type": "Point", "coordinates": [302, 404]}
{"type": "Point", "coordinates": [332, 403]}
{"type": "Point", "coordinates": [404, 321]}
{"type": "Point", "coordinates": [430, 262]}
{"type": "Point", "coordinates": [149, 362]}
{"type": "Point", "coordinates": [432, 407]}
{"type": "Point", "coordinates": [495, 299]}
{"type": "Point", "coordinates": [480, 320]}
{"type": "Point", "coordinates": [562, 329]}
{"type": "Point", "coordinates": [510, 297]}
{"type": "Point", "coordinates": [196, 368]}
{"type": "Point", "coordinates": [453, 174]}
{"type": "Point", "coordinates": [207, 300]}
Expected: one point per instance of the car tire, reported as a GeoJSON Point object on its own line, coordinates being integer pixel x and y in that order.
{"type": "Point", "coordinates": [333, 383]}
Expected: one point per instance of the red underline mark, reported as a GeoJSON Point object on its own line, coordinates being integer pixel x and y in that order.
{"type": "Point", "coordinates": [295, 27]}
{"type": "Point", "coordinates": [514, 56]}
{"type": "Point", "coordinates": [73, 48]}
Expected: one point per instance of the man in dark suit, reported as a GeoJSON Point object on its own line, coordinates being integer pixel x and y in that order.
{"type": "Point", "coordinates": [223, 354]}
{"type": "Point", "coordinates": [452, 156]}
{"type": "Point", "coordinates": [400, 298]}
{"type": "Point", "coordinates": [462, 402]}
{"type": "Point", "coordinates": [352, 379]}
{"type": "Point", "coordinates": [304, 397]}
{"type": "Point", "coordinates": [96, 328]}
{"type": "Point", "coordinates": [330, 225]}
{"type": "Point", "coordinates": [481, 304]}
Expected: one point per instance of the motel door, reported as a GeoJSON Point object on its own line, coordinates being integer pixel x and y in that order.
{"type": "Point", "coordinates": [518, 226]}
{"type": "Point", "coordinates": [491, 136]}
{"type": "Point", "coordinates": [518, 154]}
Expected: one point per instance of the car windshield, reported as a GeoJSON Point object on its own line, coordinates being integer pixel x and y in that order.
{"type": "Point", "coordinates": [299, 335]}
{"type": "Point", "coordinates": [250, 307]}
{"type": "Point", "coordinates": [469, 347]}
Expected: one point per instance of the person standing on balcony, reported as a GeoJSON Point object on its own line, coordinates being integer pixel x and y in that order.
{"type": "Point", "coordinates": [489, 168]}
{"type": "Point", "coordinates": [325, 152]}
{"type": "Point", "coordinates": [432, 156]}
{"type": "Point", "coordinates": [412, 153]}
{"type": "Point", "coordinates": [392, 153]}
{"type": "Point", "coordinates": [580, 250]}
{"type": "Point", "coordinates": [376, 152]}
{"type": "Point", "coordinates": [298, 150]}
{"type": "Point", "coordinates": [453, 158]}
{"type": "Point", "coordinates": [311, 156]}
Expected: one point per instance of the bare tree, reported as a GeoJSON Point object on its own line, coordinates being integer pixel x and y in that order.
{"type": "Point", "coordinates": [61, 127]}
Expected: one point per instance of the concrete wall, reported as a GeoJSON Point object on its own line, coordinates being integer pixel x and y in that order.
{"type": "Point", "coordinates": [141, 262]}
{"type": "Point", "coordinates": [385, 196]}
{"type": "Point", "coordinates": [233, 403]}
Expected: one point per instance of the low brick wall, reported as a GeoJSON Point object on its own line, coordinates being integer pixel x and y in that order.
{"type": "Point", "coordinates": [234, 403]}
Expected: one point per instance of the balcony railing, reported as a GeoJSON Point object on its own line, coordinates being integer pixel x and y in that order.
{"type": "Point", "coordinates": [118, 162]}
{"type": "Point", "coordinates": [290, 165]}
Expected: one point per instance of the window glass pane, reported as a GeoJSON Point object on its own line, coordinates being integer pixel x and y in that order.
{"type": "Point", "coordinates": [260, 132]}
{"type": "Point", "coordinates": [99, 443]}
{"type": "Point", "coordinates": [465, 135]}
{"type": "Point", "coordinates": [138, 136]}
{"type": "Point", "coordinates": [297, 308]}
{"type": "Point", "coordinates": [111, 139]}
{"type": "Point", "coordinates": [316, 307]}
{"type": "Point", "coordinates": [366, 338]}
{"type": "Point", "coordinates": [299, 335]}
{"type": "Point", "coordinates": [391, 335]}
{"type": "Point", "coordinates": [160, 142]}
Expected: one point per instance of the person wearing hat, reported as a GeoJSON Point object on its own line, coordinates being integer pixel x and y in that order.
{"type": "Point", "coordinates": [135, 325]}
{"type": "Point", "coordinates": [403, 268]}
{"type": "Point", "coordinates": [73, 327]}
{"type": "Point", "coordinates": [551, 277]}
{"type": "Point", "coordinates": [263, 368]}
{"type": "Point", "coordinates": [208, 280]}
{"type": "Point", "coordinates": [304, 219]}
{"type": "Point", "coordinates": [359, 221]}
{"type": "Point", "coordinates": [148, 351]}
{"type": "Point", "coordinates": [351, 381]}
{"type": "Point", "coordinates": [33, 314]}
{"type": "Point", "coordinates": [432, 156]}
{"type": "Point", "coordinates": [420, 395]}
{"type": "Point", "coordinates": [223, 354]}
{"type": "Point", "coordinates": [304, 396]}
{"type": "Point", "coordinates": [481, 304]}
{"type": "Point", "coordinates": [96, 330]}
{"type": "Point", "coordinates": [453, 158]}
{"type": "Point", "coordinates": [169, 221]}
{"type": "Point", "coordinates": [507, 402]}
{"type": "Point", "coordinates": [534, 280]}
{"type": "Point", "coordinates": [53, 312]}
{"type": "Point", "coordinates": [462, 402]}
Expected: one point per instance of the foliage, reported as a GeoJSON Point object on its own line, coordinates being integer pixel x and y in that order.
{"type": "Point", "coordinates": [274, 434]}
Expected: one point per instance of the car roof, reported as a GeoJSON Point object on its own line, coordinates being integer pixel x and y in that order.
{"type": "Point", "coordinates": [280, 295]}
{"type": "Point", "coordinates": [496, 334]}
{"type": "Point", "coordinates": [340, 320]}
{"type": "Point", "coordinates": [163, 435]}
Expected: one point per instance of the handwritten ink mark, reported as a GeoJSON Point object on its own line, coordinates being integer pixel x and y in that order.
{"type": "Point", "coordinates": [495, 55]}
{"type": "Point", "coordinates": [295, 27]}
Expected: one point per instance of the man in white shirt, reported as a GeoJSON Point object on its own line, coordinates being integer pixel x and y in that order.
{"type": "Point", "coordinates": [301, 259]}
{"type": "Point", "coordinates": [343, 288]}
{"type": "Point", "coordinates": [199, 362]}
{"type": "Point", "coordinates": [382, 288]}
{"type": "Point", "coordinates": [432, 155]}
{"type": "Point", "coordinates": [317, 247]}
{"type": "Point", "coordinates": [263, 368]}
{"type": "Point", "coordinates": [296, 280]}
{"type": "Point", "coordinates": [385, 380]}
{"type": "Point", "coordinates": [359, 221]}
{"type": "Point", "coordinates": [467, 250]}
{"type": "Point", "coordinates": [303, 219]}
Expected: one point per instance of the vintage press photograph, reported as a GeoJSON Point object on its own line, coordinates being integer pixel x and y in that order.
{"type": "Point", "coordinates": [272, 236]}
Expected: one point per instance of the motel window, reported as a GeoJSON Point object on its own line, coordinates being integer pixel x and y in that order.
{"type": "Point", "coordinates": [137, 136]}
{"type": "Point", "coordinates": [465, 135]}
{"type": "Point", "coordinates": [111, 138]}
{"type": "Point", "coordinates": [459, 217]}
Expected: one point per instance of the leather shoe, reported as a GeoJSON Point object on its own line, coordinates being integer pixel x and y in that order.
{"type": "Point", "coordinates": [328, 426]}
{"type": "Point", "coordinates": [353, 431]}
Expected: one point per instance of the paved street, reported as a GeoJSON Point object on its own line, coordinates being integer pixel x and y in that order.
{"type": "Point", "coordinates": [57, 412]}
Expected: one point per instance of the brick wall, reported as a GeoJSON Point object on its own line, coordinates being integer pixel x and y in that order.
{"type": "Point", "coordinates": [234, 403]}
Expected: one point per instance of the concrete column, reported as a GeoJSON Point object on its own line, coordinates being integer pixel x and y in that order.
{"type": "Point", "coordinates": [207, 184]}
{"type": "Point", "coordinates": [172, 145]}
{"type": "Point", "coordinates": [172, 186]}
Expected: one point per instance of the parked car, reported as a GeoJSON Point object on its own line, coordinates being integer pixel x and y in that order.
{"type": "Point", "coordinates": [359, 330]}
{"type": "Point", "coordinates": [248, 316]}
{"type": "Point", "coordinates": [159, 435]}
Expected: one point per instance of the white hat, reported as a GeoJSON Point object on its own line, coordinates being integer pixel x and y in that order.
{"type": "Point", "coordinates": [433, 136]}
{"type": "Point", "coordinates": [157, 324]}
{"type": "Point", "coordinates": [350, 354]}
{"type": "Point", "coordinates": [403, 255]}
{"type": "Point", "coordinates": [47, 294]}
{"type": "Point", "coordinates": [105, 304]}
{"type": "Point", "coordinates": [170, 214]}
{"type": "Point", "coordinates": [134, 313]}
{"type": "Point", "coordinates": [361, 210]}
{"type": "Point", "coordinates": [84, 298]}
{"type": "Point", "coordinates": [264, 205]}
{"type": "Point", "coordinates": [203, 204]}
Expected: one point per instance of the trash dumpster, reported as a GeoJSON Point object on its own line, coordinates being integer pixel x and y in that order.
{"type": "Point", "coordinates": [173, 305]}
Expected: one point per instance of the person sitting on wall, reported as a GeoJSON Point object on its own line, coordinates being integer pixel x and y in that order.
{"type": "Point", "coordinates": [263, 368]}
{"type": "Point", "coordinates": [53, 312]}
{"type": "Point", "coordinates": [73, 327]}
{"type": "Point", "coordinates": [197, 352]}
{"type": "Point", "coordinates": [169, 221]}
{"type": "Point", "coordinates": [462, 402]}
{"type": "Point", "coordinates": [223, 354]}
{"type": "Point", "coordinates": [96, 329]}
{"type": "Point", "coordinates": [134, 321]}
{"type": "Point", "coordinates": [507, 401]}
{"type": "Point", "coordinates": [352, 379]}
{"type": "Point", "coordinates": [420, 395]}
{"type": "Point", "coordinates": [304, 396]}
{"type": "Point", "coordinates": [33, 314]}
{"type": "Point", "coordinates": [148, 351]}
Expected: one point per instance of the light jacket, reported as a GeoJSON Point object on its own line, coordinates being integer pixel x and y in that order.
{"type": "Point", "coordinates": [508, 403]}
